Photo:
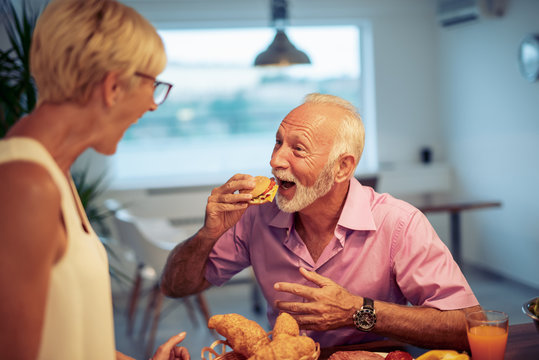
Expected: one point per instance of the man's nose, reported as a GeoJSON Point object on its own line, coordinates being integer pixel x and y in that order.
{"type": "Point", "coordinates": [278, 159]}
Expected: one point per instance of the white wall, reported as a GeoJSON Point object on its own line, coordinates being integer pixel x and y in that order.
{"type": "Point", "coordinates": [490, 120]}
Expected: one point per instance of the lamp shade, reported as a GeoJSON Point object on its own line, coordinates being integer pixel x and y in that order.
{"type": "Point", "coordinates": [281, 52]}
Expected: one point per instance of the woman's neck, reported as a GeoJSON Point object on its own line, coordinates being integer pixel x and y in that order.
{"type": "Point", "coordinates": [61, 129]}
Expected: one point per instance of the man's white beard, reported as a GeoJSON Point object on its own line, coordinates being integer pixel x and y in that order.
{"type": "Point", "coordinates": [305, 195]}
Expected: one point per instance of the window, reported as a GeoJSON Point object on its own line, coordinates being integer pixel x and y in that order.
{"type": "Point", "coordinates": [222, 114]}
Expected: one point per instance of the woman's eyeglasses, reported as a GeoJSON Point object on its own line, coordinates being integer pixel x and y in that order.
{"type": "Point", "coordinates": [160, 89]}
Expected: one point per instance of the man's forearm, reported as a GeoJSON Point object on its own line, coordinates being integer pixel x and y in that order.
{"type": "Point", "coordinates": [330, 306]}
{"type": "Point", "coordinates": [184, 271]}
{"type": "Point", "coordinates": [422, 326]}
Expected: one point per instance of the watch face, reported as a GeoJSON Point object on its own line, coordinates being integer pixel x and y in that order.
{"type": "Point", "coordinates": [365, 319]}
{"type": "Point", "coordinates": [528, 57]}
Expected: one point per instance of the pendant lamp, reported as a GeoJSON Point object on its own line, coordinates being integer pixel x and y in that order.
{"type": "Point", "coordinates": [281, 52]}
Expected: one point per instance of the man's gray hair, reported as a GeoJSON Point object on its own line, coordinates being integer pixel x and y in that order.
{"type": "Point", "coordinates": [350, 137]}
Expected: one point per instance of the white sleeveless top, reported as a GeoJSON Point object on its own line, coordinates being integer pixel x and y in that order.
{"type": "Point", "coordinates": [78, 320]}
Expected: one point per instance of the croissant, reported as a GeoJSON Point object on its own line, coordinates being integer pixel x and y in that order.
{"type": "Point", "coordinates": [286, 347]}
{"type": "Point", "coordinates": [285, 324]}
{"type": "Point", "coordinates": [244, 336]}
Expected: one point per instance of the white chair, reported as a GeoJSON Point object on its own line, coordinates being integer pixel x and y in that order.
{"type": "Point", "coordinates": [140, 235]}
{"type": "Point", "coordinates": [184, 208]}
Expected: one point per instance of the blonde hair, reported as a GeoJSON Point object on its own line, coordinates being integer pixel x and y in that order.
{"type": "Point", "coordinates": [350, 138]}
{"type": "Point", "coordinates": [77, 42]}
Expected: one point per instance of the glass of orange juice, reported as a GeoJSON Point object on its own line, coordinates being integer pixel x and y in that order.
{"type": "Point", "coordinates": [487, 334]}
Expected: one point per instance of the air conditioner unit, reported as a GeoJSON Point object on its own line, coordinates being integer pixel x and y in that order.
{"type": "Point", "coordinates": [454, 12]}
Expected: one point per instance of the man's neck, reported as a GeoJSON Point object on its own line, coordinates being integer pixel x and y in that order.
{"type": "Point", "coordinates": [316, 223]}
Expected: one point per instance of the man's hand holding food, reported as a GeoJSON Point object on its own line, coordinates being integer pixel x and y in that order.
{"type": "Point", "coordinates": [226, 205]}
{"type": "Point", "coordinates": [228, 202]}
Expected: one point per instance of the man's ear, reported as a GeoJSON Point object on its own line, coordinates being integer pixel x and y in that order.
{"type": "Point", "coordinates": [110, 87]}
{"type": "Point", "coordinates": [345, 168]}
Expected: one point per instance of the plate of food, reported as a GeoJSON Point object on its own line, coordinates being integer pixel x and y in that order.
{"type": "Point", "coordinates": [531, 309]}
{"type": "Point", "coordinates": [399, 355]}
{"type": "Point", "coordinates": [370, 355]}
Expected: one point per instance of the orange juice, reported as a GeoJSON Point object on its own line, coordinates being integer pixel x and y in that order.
{"type": "Point", "coordinates": [487, 342]}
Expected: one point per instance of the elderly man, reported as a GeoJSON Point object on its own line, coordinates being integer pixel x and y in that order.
{"type": "Point", "coordinates": [342, 259]}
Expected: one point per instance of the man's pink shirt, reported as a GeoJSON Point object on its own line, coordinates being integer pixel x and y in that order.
{"type": "Point", "coordinates": [383, 248]}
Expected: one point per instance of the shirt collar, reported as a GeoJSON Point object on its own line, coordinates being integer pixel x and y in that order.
{"type": "Point", "coordinates": [280, 218]}
{"type": "Point", "coordinates": [356, 213]}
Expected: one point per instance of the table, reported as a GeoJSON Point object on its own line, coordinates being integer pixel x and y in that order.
{"type": "Point", "coordinates": [443, 202]}
{"type": "Point", "coordinates": [522, 344]}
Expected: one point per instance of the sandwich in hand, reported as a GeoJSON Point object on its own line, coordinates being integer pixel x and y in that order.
{"type": "Point", "coordinates": [264, 190]}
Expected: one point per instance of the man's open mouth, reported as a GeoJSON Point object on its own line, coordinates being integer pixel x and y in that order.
{"type": "Point", "coordinates": [285, 184]}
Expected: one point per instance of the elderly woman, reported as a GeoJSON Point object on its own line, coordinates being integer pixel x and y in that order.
{"type": "Point", "coordinates": [95, 64]}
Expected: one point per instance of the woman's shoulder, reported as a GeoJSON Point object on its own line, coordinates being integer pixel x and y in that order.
{"type": "Point", "coordinates": [28, 180]}
{"type": "Point", "coordinates": [30, 214]}
{"type": "Point", "coordinates": [29, 196]}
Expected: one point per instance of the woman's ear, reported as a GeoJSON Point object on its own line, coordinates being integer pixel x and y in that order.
{"type": "Point", "coordinates": [110, 88]}
{"type": "Point", "coordinates": [345, 168]}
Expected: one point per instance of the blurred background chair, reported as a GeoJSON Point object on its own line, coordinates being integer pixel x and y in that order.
{"type": "Point", "coordinates": [168, 204]}
{"type": "Point", "coordinates": [151, 241]}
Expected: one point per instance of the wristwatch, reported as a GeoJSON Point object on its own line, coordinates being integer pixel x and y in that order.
{"type": "Point", "coordinates": [365, 318]}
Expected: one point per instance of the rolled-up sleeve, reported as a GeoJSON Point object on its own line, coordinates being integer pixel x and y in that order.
{"type": "Point", "coordinates": [229, 255]}
{"type": "Point", "coordinates": [424, 267]}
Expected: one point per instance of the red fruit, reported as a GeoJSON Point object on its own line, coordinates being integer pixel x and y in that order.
{"type": "Point", "coordinates": [399, 355]}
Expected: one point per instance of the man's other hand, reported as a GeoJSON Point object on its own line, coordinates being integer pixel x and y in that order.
{"type": "Point", "coordinates": [328, 306]}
